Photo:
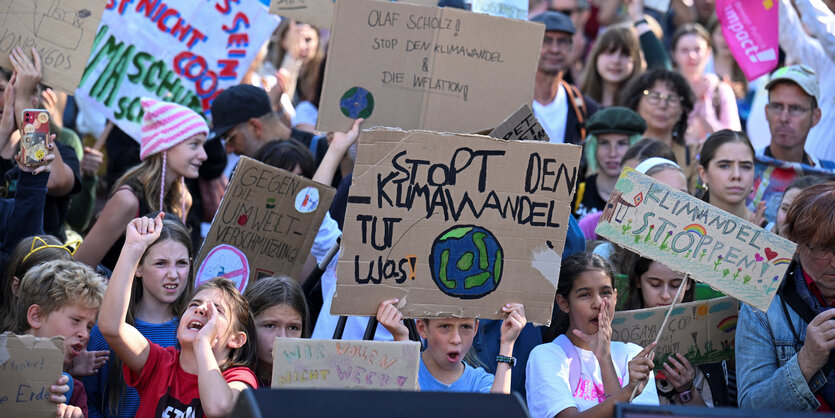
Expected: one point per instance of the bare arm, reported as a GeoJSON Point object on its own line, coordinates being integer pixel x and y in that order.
{"type": "Point", "coordinates": [336, 151]}
{"type": "Point", "coordinates": [117, 213]}
{"type": "Point", "coordinates": [61, 178]}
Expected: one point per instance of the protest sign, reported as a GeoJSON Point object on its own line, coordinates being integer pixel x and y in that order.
{"type": "Point", "coordinates": [691, 236]}
{"type": "Point", "coordinates": [188, 53]}
{"type": "Point", "coordinates": [514, 9]}
{"type": "Point", "coordinates": [336, 364]}
{"type": "Point", "coordinates": [61, 31]}
{"type": "Point", "coordinates": [748, 28]}
{"type": "Point", "coordinates": [319, 12]}
{"type": "Point", "coordinates": [703, 331]}
{"type": "Point", "coordinates": [454, 225]}
{"type": "Point", "coordinates": [265, 225]}
{"type": "Point", "coordinates": [520, 126]}
{"type": "Point", "coordinates": [416, 67]}
{"type": "Point", "coordinates": [28, 367]}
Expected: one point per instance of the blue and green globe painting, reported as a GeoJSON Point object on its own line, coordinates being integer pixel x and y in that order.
{"type": "Point", "coordinates": [466, 262]}
{"type": "Point", "coordinates": [357, 102]}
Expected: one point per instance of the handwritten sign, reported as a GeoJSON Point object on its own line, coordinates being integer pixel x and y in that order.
{"type": "Point", "coordinates": [520, 126]}
{"type": "Point", "coordinates": [335, 364]}
{"type": "Point", "coordinates": [61, 31]}
{"type": "Point", "coordinates": [415, 67]}
{"type": "Point", "coordinates": [319, 12]}
{"type": "Point", "coordinates": [28, 367]}
{"type": "Point", "coordinates": [454, 225]}
{"type": "Point", "coordinates": [514, 9]}
{"type": "Point", "coordinates": [265, 225]}
{"type": "Point", "coordinates": [188, 53]}
{"type": "Point", "coordinates": [691, 236]}
{"type": "Point", "coordinates": [703, 331]}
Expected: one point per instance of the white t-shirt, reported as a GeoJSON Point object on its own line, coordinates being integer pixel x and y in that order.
{"type": "Point", "coordinates": [552, 116]}
{"type": "Point", "coordinates": [557, 380]}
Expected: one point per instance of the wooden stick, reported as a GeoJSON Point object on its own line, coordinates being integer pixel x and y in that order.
{"type": "Point", "coordinates": [103, 137]}
{"type": "Point", "coordinates": [664, 325]}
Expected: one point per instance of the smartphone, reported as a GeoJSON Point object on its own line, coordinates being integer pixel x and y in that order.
{"type": "Point", "coordinates": [35, 136]}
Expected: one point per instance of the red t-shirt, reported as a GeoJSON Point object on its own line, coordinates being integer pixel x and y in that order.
{"type": "Point", "coordinates": [166, 390]}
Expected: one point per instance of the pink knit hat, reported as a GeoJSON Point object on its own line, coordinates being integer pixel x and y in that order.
{"type": "Point", "coordinates": [166, 124]}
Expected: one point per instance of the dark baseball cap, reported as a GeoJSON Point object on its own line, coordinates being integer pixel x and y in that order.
{"type": "Point", "coordinates": [555, 21]}
{"type": "Point", "coordinates": [237, 105]}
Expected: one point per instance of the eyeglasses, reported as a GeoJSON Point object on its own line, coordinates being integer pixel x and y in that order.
{"type": "Point", "coordinates": [794, 110]}
{"type": "Point", "coordinates": [821, 253]}
{"type": "Point", "coordinates": [550, 41]}
{"type": "Point", "coordinates": [229, 135]}
{"type": "Point", "coordinates": [655, 98]}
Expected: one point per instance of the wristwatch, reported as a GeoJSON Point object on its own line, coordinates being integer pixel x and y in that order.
{"type": "Point", "coordinates": [686, 396]}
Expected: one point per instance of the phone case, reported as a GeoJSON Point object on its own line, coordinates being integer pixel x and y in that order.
{"type": "Point", "coordinates": [35, 134]}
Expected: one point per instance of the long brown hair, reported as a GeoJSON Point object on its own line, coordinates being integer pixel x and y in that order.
{"type": "Point", "coordinates": [616, 38]}
{"type": "Point", "coordinates": [148, 176]}
{"type": "Point", "coordinates": [240, 318]}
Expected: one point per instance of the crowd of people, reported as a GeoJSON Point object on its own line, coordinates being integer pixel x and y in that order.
{"type": "Point", "coordinates": [98, 244]}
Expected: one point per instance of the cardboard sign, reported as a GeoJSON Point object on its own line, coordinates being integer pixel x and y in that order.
{"type": "Point", "coordinates": [336, 364]}
{"type": "Point", "coordinates": [748, 28]}
{"type": "Point", "coordinates": [61, 31]}
{"type": "Point", "coordinates": [319, 12]}
{"type": "Point", "coordinates": [514, 9]}
{"type": "Point", "coordinates": [28, 367]}
{"type": "Point", "coordinates": [415, 67]}
{"type": "Point", "coordinates": [691, 236]}
{"type": "Point", "coordinates": [188, 53]}
{"type": "Point", "coordinates": [520, 126]}
{"type": "Point", "coordinates": [703, 331]}
{"type": "Point", "coordinates": [265, 225]}
{"type": "Point", "coordinates": [454, 225]}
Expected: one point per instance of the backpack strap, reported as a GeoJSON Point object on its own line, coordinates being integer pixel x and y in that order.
{"type": "Point", "coordinates": [575, 97]}
{"type": "Point", "coordinates": [581, 190]}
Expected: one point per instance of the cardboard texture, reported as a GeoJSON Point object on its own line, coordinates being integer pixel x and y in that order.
{"type": "Point", "coordinates": [703, 331]}
{"type": "Point", "coordinates": [520, 126]}
{"type": "Point", "coordinates": [336, 364]}
{"type": "Point", "coordinates": [265, 225]}
{"type": "Point", "coordinates": [454, 225]}
{"type": "Point", "coordinates": [416, 67]}
{"type": "Point", "coordinates": [62, 31]}
{"type": "Point", "coordinates": [514, 9]}
{"type": "Point", "coordinates": [319, 12]}
{"type": "Point", "coordinates": [28, 367]}
{"type": "Point", "coordinates": [691, 236]}
{"type": "Point", "coordinates": [188, 52]}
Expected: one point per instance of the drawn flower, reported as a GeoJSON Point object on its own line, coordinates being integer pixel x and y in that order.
{"type": "Point", "coordinates": [702, 310]}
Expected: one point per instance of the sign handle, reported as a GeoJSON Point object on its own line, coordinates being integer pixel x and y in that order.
{"type": "Point", "coordinates": [664, 325]}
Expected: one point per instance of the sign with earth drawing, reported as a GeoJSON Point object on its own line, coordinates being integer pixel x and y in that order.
{"type": "Point", "coordinates": [691, 236]}
{"type": "Point", "coordinates": [454, 225]}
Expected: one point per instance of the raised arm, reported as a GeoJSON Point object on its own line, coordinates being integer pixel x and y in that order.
{"type": "Point", "coordinates": [336, 152]}
{"type": "Point", "coordinates": [125, 340]}
{"type": "Point", "coordinates": [820, 21]}
{"type": "Point", "coordinates": [511, 328]}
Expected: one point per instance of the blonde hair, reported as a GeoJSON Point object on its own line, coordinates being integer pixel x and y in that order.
{"type": "Point", "coordinates": [149, 176]}
{"type": "Point", "coordinates": [56, 284]}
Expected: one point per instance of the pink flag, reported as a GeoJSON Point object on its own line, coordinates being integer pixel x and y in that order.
{"type": "Point", "coordinates": [750, 28]}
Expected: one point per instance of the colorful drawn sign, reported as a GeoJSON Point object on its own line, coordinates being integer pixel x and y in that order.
{"type": "Point", "coordinates": [28, 367]}
{"type": "Point", "coordinates": [188, 53]}
{"type": "Point", "coordinates": [749, 30]}
{"type": "Point", "coordinates": [703, 331]}
{"type": "Point", "coordinates": [691, 236]}
{"type": "Point", "coordinates": [425, 67]}
{"type": "Point", "coordinates": [335, 364]}
{"type": "Point", "coordinates": [61, 31]}
{"type": "Point", "coordinates": [454, 225]}
{"type": "Point", "coordinates": [265, 224]}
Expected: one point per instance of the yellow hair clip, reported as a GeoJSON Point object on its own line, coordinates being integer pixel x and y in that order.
{"type": "Point", "coordinates": [67, 246]}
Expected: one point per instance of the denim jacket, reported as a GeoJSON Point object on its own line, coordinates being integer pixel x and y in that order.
{"type": "Point", "coordinates": [768, 374]}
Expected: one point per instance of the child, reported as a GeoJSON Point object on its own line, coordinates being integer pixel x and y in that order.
{"type": "Point", "coordinates": [447, 342]}
{"type": "Point", "coordinates": [160, 291]}
{"type": "Point", "coordinates": [171, 150]}
{"type": "Point", "coordinates": [583, 369]}
{"type": "Point", "coordinates": [61, 298]}
{"type": "Point", "coordinates": [212, 366]}
{"type": "Point", "coordinates": [280, 310]}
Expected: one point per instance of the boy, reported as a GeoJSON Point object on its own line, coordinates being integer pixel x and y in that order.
{"type": "Point", "coordinates": [61, 298]}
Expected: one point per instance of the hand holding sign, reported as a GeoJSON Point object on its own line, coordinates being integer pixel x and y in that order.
{"type": "Point", "coordinates": [820, 341]}
{"type": "Point", "coordinates": [640, 368]}
{"type": "Point", "coordinates": [392, 320]}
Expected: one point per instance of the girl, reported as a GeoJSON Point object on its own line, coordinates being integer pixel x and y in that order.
{"type": "Point", "coordinates": [615, 59]}
{"type": "Point", "coordinates": [213, 364]}
{"type": "Point", "coordinates": [161, 288]}
{"type": "Point", "coordinates": [582, 371]}
{"type": "Point", "coordinates": [448, 341]}
{"type": "Point", "coordinates": [280, 310]}
{"type": "Point", "coordinates": [726, 167]}
{"type": "Point", "coordinates": [715, 106]}
{"type": "Point", "coordinates": [172, 148]}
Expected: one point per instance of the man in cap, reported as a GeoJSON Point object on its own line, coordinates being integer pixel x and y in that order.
{"type": "Point", "coordinates": [559, 106]}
